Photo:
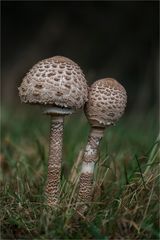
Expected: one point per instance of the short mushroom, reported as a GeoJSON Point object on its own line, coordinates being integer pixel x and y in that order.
{"type": "Point", "coordinates": [59, 85]}
{"type": "Point", "coordinates": [106, 103]}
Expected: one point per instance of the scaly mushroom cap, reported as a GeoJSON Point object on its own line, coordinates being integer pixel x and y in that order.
{"type": "Point", "coordinates": [106, 102]}
{"type": "Point", "coordinates": [57, 81]}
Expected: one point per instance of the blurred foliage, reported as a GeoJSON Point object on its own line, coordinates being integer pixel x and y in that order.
{"type": "Point", "coordinates": [116, 39]}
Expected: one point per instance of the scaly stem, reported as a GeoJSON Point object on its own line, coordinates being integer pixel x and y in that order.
{"type": "Point", "coordinates": [87, 171]}
{"type": "Point", "coordinates": [55, 160]}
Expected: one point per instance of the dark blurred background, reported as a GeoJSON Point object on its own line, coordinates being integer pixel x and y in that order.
{"type": "Point", "coordinates": [107, 39]}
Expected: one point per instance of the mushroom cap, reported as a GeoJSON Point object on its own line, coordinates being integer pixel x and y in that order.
{"type": "Point", "coordinates": [56, 81]}
{"type": "Point", "coordinates": [106, 102]}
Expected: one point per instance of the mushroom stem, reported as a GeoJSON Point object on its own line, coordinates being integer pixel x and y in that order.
{"type": "Point", "coordinates": [55, 160]}
{"type": "Point", "coordinates": [86, 177]}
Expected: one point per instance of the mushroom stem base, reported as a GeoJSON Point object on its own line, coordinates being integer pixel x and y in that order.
{"type": "Point", "coordinates": [86, 177]}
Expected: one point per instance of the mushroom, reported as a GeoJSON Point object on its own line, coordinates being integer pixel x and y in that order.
{"type": "Point", "coordinates": [59, 85]}
{"type": "Point", "coordinates": [106, 103]}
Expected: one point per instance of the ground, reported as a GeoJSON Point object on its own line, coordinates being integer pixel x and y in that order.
{"type": "Point", "coordinates": [125, 201]}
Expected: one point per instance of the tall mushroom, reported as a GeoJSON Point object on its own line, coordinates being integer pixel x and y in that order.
{"type": "Point", "coordinates": [106, 103]}
{"type": "Point", "coordinates": [59, 85]}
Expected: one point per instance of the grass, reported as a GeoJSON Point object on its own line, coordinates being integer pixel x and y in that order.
{"type": "Point", "coordinates": [126, 194]}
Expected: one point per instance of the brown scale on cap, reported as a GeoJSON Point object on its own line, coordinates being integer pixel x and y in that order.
{"type": "Point", "coordinates": [57, 81]}
{"type": "Point", "coordinates": [106, 103]}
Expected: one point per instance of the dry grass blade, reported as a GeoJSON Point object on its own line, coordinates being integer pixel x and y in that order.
{"type": "Point", "coordinates": [74, 170]}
